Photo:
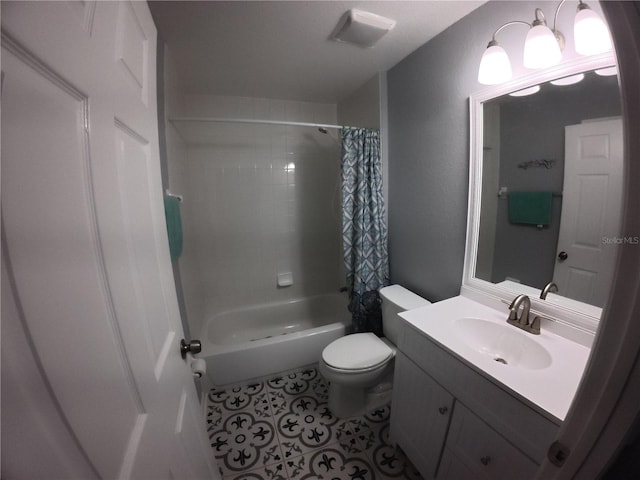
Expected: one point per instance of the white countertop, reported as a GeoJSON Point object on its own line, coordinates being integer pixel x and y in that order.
{"type": "Point", "coordinates": [551, 388]}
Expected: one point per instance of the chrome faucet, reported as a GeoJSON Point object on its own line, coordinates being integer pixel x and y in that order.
{"type": "Point", "coordinates": [548, 288]}
{"type": "Point", "coordinates": [523, 322]}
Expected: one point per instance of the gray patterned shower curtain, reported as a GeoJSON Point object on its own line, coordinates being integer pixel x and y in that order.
{"type": "Point", "coordinates": [364, 232]}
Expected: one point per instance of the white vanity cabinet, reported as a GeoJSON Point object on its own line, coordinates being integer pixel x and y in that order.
{"type": "Point", "coordinates": [456, 423]}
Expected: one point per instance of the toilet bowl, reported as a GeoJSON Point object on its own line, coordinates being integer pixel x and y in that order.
{"type": "Point", "coordinates": [359, 367]}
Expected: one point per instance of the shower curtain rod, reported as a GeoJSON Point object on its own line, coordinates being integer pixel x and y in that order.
{"type": "Point", "coordinates": [252, 120]}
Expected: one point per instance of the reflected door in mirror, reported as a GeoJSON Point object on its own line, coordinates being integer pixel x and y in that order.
{"type": "Point", "coordinates": [590, 210]}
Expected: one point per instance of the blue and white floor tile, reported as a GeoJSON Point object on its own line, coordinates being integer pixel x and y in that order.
{"type": "Point", "coordinates": [282, 429]}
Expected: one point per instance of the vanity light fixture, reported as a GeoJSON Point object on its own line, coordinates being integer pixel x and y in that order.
{"type": "Point", "coordinates": [543, 45]}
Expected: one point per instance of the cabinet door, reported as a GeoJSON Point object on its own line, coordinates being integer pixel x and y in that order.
{"type": "Point", "coordinates": [451, 468]}
{"type": "Point", "coordinates": [475, 447]}
{"type": "Point", "coordinates": [420, 412]}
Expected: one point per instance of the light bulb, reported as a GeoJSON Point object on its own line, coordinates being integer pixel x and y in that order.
{"type": "Point", "coordinates": [541, 48]}
{"type": "Point", "coordinates": [590, 33]}
{"type": "Point", "coordinates": [495, 67]}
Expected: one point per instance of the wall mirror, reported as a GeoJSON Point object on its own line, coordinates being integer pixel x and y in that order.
{"type": "Point", "coordinates": [546, 188]}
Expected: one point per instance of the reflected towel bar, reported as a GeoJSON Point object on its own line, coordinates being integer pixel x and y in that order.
{"type": "Point", "coordinates": [169, 194]}
{"type": "Point", "coordinates": [502, 193]}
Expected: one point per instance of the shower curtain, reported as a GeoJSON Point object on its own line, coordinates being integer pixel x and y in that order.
{"type": "Point", "coordinates": [364, 232]}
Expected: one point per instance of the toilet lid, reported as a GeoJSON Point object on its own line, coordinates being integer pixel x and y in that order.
{"type": "Point", "coordinates": [356, 352]}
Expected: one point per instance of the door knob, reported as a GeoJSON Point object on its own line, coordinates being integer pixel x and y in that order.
{"type": "Point", "coordinates": [562, 256]}
{"type": "Point", "coordinates": [193, 347]}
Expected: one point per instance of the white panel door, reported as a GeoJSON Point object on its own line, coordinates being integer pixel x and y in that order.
{"type": "Point", "coordinates": [84, 237]}
{"type": "Point", "coordinates": [590, 210]}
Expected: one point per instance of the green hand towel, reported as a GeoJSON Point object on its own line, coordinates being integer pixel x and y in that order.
{"type": "Point", "coordinates": [532, 208]}
{"type": "Point", "coordinates": [174, 226]}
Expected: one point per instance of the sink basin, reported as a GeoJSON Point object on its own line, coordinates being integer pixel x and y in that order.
{"type": "Point", "coordinates": [504, 343]}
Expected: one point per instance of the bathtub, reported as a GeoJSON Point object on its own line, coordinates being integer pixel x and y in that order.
{"type": "Point", "coordinates": [257, 341]}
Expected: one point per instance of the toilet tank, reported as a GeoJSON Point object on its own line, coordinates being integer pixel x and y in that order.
{"type": "Point", "coordinates": [396, 299]}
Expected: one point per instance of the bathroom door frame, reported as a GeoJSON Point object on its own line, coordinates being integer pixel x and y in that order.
{"type": "Point", "coordinates": [606, 410]}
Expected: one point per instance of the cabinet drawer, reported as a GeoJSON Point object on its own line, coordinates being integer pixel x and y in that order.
{"type": "Point", "coordinates": [483, 451]}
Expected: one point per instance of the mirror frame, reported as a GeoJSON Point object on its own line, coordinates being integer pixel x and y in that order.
{"type": "Point", "coordinates": [562, 310]}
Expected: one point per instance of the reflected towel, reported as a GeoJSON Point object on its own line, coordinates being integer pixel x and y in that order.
{"type": "Point", "coordinates": [174, 226]}
{"type": "Point", "coordinates": [532, 208]}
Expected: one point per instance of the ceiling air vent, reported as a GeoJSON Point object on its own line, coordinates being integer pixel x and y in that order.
{"type": "Point", "coordinates": [362, 28]}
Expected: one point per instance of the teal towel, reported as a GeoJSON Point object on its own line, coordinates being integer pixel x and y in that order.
{"type": "Point", "coordinates": [532, 208]}
{"type": "Point", "coordinates": [174, 226]}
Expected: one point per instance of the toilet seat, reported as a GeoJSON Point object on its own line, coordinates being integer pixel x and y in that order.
{"type": "Point", "coordinates": [357, 352]}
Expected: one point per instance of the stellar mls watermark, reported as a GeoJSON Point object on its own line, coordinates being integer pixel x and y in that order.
{"type": "Point", "coordinates": [621, 240]}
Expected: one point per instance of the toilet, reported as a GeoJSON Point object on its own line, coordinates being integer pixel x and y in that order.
{"type": "Point", "coordinates": [359, 367]}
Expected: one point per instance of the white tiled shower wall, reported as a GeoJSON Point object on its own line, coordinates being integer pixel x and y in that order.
{"type": "Point", "coordinates": [260, 200]}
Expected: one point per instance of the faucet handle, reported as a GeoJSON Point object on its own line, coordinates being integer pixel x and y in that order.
{"type": "Point", "coordinates": [534, 327]}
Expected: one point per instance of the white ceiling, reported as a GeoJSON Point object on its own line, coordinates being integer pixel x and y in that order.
{"type": "Point", "coordinates": [282, 49]}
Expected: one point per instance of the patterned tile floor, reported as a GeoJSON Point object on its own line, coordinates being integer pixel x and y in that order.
{"type": "Point", "coordinates": [282, 429]}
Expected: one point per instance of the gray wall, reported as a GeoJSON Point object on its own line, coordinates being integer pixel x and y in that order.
{"type": "Point", "coordinates": [429, 142]}
{"type": "Point", "coordinates": [362, 107]}
{"type": "Point", "coordinates": [367, 107]}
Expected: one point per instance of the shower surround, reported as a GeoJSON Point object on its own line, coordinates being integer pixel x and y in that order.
{"type": "Point", "coordinates": [259, 201]}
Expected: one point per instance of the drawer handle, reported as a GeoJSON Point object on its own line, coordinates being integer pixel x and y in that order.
{"type": "Point", "coordinates": [443, 410]}
{"type": "Point", "coordinates": [485, 460]}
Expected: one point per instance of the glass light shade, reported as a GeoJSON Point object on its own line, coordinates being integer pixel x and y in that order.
{"type": "Point", "coordinates": [590, 33]}
{"type": "Point", "coordinates": [495, 67]}
{"type": "Point", "coordinates": [541, 49]}
{"type": "Point", "coordinates": [607, 72]}
{"type": "Point", "coordinates": [573, 79]}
